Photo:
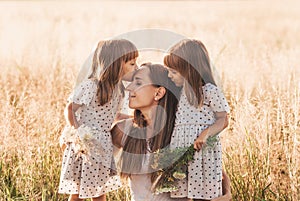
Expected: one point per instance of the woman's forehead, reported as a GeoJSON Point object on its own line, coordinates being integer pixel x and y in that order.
{"type": "Point", "coordinates": [143, 73]}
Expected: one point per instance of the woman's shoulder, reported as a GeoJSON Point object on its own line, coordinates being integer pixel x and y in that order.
{"type": "Point", "coordinates": [119, 131]}
{"type": "Point", "coordinates": [122, 125]}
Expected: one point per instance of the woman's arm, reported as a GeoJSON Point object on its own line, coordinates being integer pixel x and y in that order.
{"type": "Point", "coordinates": [220, 124]}
{"type": "Point", "coordinates": [121, 116]}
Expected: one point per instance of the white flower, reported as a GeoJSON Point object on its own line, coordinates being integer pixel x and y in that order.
{"type": "Point", "coordinates": [85, 133]}
{"type": "Point", "coordinates": [69, 134]}
{"type": "Point", "coordinates": [165, 189]}
{"type": "Point", "coordinates": [84, 141]}
{"type": "Point", "coordinates": [179, 175]}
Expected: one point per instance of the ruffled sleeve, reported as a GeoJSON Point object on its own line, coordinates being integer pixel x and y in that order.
{"type": "Point", "coordinates": [216, 99]}
{"type": "Point", "coordinates": [84, 92]}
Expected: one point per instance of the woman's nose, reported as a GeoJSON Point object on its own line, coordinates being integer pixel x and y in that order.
{"type": "Point", "coordinates": [169, 74]}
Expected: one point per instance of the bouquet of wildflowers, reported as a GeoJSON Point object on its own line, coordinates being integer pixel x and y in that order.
{"type": "Point", "coordinates": [171, 165]}
{"type": "Point", "coordinates": [84, 140]}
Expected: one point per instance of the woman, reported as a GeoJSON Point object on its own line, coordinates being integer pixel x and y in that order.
{"type": "Point", "coordinates": [154, 97]}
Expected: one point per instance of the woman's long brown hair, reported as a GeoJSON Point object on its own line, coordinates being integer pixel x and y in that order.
{"type": "Point", "coordinates": [109, 56]}
{"type": "Point", "coordinates": [135, 146]}
{"type": "Point", "coordinates": [190, 58]}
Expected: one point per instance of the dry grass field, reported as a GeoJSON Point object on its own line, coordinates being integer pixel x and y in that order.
{"type": "Point", "coordinates": [254, 46]}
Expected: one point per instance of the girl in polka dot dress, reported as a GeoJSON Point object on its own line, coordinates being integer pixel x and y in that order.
{"type": "Point", "coordinates": [201, 116]}
{"type": "Point", "coordinates": [95, 103]}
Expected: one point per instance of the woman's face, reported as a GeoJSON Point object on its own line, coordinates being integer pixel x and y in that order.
{"type": "Point", "coordinates": [176, 77]}
{"type": "Point", "coordinates": [142, 91]}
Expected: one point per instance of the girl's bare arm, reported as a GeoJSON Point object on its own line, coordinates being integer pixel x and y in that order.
{"type": "Point", "coordinates": [220, 124]}
{"type": "Point", "coordinates": [70, 110]}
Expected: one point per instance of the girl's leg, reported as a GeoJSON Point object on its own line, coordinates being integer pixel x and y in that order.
{"type": "Point", "coordinates": [226, 185]}
{"type": "Point", "coordinates": [74, 197]}
{"type": "Point", "coordinates": [226, 189]}
{"type": "Point", "coordinates": [100, 198]}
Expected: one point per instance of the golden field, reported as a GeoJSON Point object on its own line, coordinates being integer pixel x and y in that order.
{"type": "Point", "coordinates": [254, 46]}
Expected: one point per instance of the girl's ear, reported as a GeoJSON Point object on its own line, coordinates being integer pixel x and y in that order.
{"type": "Point", "coordinates": [160, 92]}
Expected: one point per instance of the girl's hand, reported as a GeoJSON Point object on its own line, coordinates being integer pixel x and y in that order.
{"type": "Point", "coordinates": [75, 125]}
{"type": "Point", "coordinates": [63, 147]}
{"type": "Point", "coordinates": [219, 125]}
{"type": "Point", "coordinates": [201, 140]}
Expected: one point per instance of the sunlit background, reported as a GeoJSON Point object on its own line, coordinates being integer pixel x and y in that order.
{"type": "Point", "coordinates": [255, 49]}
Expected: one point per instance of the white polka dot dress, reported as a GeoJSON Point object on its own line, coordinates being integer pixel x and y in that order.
{"type": "Point", "coordinates": [90, 178]}
{"type": "Point", "coordinates": [204, 180]}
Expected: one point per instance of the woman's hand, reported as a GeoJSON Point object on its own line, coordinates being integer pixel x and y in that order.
{"type": "Point", "coordinates": [201, 140]}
